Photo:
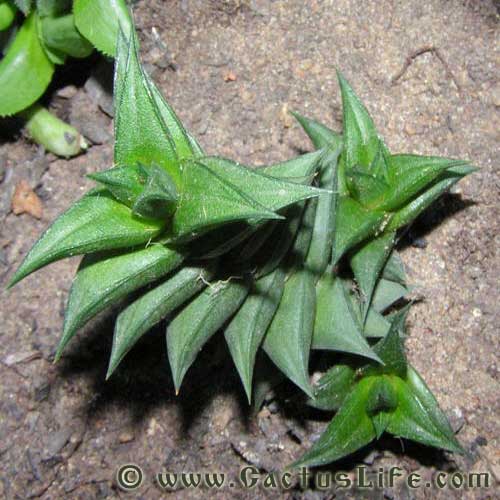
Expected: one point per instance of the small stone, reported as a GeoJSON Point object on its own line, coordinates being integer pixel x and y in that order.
{"type": "Point", "coordinates": [67, 92]}
{"type": "Point", "coordinates": [230, 76]}
{"type": "Point", "coordinates": [25, 200]}
{"type": "Point", "coordinates": [126, 437]}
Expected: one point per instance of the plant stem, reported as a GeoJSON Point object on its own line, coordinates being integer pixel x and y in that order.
{"type": "Point", "coordinates": [52, 133]}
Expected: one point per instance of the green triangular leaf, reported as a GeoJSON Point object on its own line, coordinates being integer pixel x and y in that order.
{"type": "Point", "coordinates": [208, 200]}
{"type": "Point", "coordinates": [25, 70]}
{"type": "Point", "coordinates": [158, 197]}
{"type": "Point", "coordinates": [320, 250]}
{"type": "Point", "coordinates": [198, 321]}
{"type": "Point", "coordinates": [288, 339]}
{"type": "Point", "coordinates": [320, 135]}
{"type": "Point", "coordinates": [270, 192]}
{"type": "Point", "coordinates": [95, 222]}
{"type": "Point", "coordinates": [360, 136]}
{"type": "Point", "coordinates": [367, 263]}
{"type": "Point", "coordinates": [411, 175]}
{"type": "Point", "coordinates": [428, 401]}
{"type": "Point", "coordinates": [102, 280]}
{"type": "Point", "coordinates": [59, 35]}
{"type": "Point", "coordinates": [125, 183]}
{"type": "Point", "coordinates": [387, 293]}
{"type": "Point", "coordinates": [246, 330]}
{"type": "Point", "coordinates": [300, 169]}
{"type": "Point", "coordinates": [141, 135]}
{"type": "Point", "coordinates": [350, 430]}
{"type": "Point", "coordinates": [336, 326]}
{"type": "Point", "coordinates": [354, 224]}
{"type": "Point", "coordinates": [413, 420]}
{"type": "Point", "coordinates": [333, 387]}
{"type": "Point", "coordinates": [391, 351]}
{"type": "Point", "coordinates": [185, 145]}
{"type": "Point", "coordinates": [394, 269]}
{"type": "Point", "coordinates": [100, 21]}
{"type": "Point", "coordinates": [152, 307]}
{"type": "Point", "coordinates": [411, 211]}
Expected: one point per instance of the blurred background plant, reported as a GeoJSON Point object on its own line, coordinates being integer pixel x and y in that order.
{"type": "Point", "coordinates": [36, 36]}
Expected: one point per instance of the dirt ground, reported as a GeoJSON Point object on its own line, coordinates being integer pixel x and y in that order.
{"type": "Point", "coordinates": [428, 71]}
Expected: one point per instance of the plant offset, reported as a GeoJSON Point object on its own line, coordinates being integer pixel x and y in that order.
{"type": "Point", "coordinates": [290, 258]}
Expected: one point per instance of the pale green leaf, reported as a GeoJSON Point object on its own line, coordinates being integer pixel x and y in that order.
{"type": "Point", "coordinates": [100, 21]}
{"type": "Point", "coordinates": [25, 71]}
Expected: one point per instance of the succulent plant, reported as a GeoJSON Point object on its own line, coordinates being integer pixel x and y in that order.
{"type": "Point", "coordinates": [290, 258]}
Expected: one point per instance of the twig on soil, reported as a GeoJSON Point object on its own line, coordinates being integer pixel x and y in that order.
{"type": "Point", "coordinates": [424, 50]}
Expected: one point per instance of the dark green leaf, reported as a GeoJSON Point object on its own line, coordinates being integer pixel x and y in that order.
{"type": "Point", "coordinates": [367, 263]}
{"type": "Point", "coordinates": [141, 135]}
{"type": "Point", "coordinates": [25, 71]}
{"type": "Point", "coordinates": [320, 135]}
{"type": "Point", "coordinates": [387, 293]}
{"type": "Point", "coordinates": [394, 269]}
{"type": "Point", "coordinates": [24, 6]}
{"type": "Point", "coordinates": [424, 395]}
{"type": "Point", "coordinates": [59, 34]}
{"type": "Point", "coordinates": [96, 222]}
{"type": "Point", "coordinates": [208, 200]}
{"type": "Point", "coordinates": [350, 430]}
{"type": "Point", "coordinates": [185, 145]}
{"type": "Point", "coordinates": [100, 21]}
{"type": "Point", "coordinates": [336, 326]}
{"type": "Point", "coordinates": [140, 316]}
{"type": "Point", "coordinates": [354, 224]}
{"type": "Point", "coordinates": [414, 419]}
{"type": "Point", "coordinates": [288, 339]}
{"type": "Point", "coordinates": [246, 330]}
{"type": "Point", "coordinates": [102, 280]}
{"type": "Point", "coordinates": [361, 140]}
{"type": "Point", "coordinates": [413, 173]}
{"type": "Point", "coordinates": [198, 321]}
{"type": "Point", "coordinates": [53, 7]}
{"type": "Point", "coordinates": [320, 250]}
{"type": "Point", "coordinates": [411, 211]}
{"type": "Point", "coordinates": [333, 387]}
{"type": "Point", "coordinates": [270, 192]}
{"type": "Point", "coordinates": [391, 350]}
{"type": "Point", "coordinates": [159, 196]}
{"type": "Point", "coordinates": [125, 183]}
